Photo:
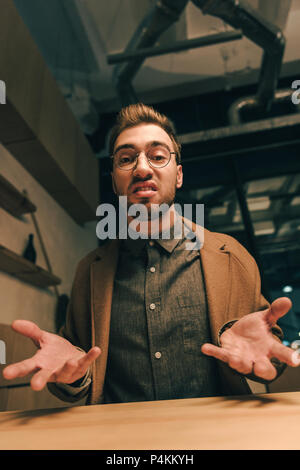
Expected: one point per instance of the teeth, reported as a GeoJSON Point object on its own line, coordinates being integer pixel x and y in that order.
{"type": "Point", "coordinates": [145, 189]}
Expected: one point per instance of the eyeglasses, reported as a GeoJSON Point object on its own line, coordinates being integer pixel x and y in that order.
{"type": "Point", "coordinates": [126, 158]}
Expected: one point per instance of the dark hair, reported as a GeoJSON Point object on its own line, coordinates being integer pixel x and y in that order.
{"type": "Point", "coordinates": [139, 113]}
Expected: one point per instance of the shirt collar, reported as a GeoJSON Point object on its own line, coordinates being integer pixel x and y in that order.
{"type": "Point", "coordinates": [167, 239]}
{"type": "Point", "coordinates": [169, 242]}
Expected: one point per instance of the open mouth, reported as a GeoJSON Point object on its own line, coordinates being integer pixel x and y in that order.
{"type": "Point", "coordinates": [146, 188]}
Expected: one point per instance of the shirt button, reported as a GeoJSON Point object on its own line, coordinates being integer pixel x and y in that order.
{"type": "Point", "coordinates": [157, 355]}
{"type": "Point", "coordinates": [152, 306]}
{"type": "Point", "coordinates": [152, 269]}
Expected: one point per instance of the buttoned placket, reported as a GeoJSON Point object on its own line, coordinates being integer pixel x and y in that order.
{"type": "Point", "coordinates": [153, 313]}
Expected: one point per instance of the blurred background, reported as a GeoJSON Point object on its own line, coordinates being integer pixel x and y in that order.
{"type": "Point", "coordinates": [226, 73]}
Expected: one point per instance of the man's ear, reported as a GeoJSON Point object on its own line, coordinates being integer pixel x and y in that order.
{"type": "Point", "coordinates": [179, 177]}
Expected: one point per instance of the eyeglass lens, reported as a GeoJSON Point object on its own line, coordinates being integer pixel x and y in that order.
{"type": "Point", "coordinates": [157, 156]}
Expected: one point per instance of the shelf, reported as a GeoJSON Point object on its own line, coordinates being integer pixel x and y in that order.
{"type": "Point", "coordinates": [19, 267]}
{"type": "Point", "coordinates": [12, 200]}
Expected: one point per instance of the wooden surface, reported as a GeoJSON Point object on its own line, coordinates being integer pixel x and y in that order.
{"type": "Point", "coordinates": [265, 421]}
{"type": "Point", "coordinates": [13, 200]}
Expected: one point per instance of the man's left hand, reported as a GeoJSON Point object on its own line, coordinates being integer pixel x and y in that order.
{"type": "Point", "coordinates": [249, 344]}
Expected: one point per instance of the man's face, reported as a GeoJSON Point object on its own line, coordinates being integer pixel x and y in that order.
{"type": "Point", "coordinates": [160, 183]}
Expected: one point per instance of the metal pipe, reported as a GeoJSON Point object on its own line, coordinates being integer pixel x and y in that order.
{"type": "Point", "coordinates": [239, 14]}
{"type": "Point", "coordinates": [252, 102]}
{"type": "Point", "coordinates": [176, 47]}
{"type": "Point", "coordinates": [160, 17]}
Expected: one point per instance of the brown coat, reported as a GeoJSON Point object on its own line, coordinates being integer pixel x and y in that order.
{"type": "Point", "coordinates": [233, 290]}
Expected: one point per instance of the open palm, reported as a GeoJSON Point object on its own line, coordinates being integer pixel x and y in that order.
{"type": "Point", "coordinates": [56, 360]}
{"type": "Point", "coordinates": [249, 344]}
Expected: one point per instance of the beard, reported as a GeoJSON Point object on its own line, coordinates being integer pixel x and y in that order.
{"type": "Point", "coordinates": [155, 210]}
{"type": "Point", "coordinates": [152, 218]}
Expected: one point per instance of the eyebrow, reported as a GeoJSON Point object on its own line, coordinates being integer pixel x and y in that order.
{"type": "Point", "coordinates": [153, 143]}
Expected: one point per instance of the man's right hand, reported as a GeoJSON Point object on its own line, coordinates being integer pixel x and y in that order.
{"type": "Point", "coordinates": [56, 360]}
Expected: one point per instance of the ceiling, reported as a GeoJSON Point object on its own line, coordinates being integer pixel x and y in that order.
{"type": "Point", "coordinates": [76, 36]}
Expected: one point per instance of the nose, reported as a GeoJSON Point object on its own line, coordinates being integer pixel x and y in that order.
{"type": "Point", "coordinates": [142, 168]}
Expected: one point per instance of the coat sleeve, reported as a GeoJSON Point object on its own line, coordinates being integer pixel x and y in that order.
{"type": "Point", "coordinates": [259, 303]}
{"type": "Point", "coordinates": [77, 330]}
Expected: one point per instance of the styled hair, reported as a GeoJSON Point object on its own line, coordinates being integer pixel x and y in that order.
{"type": "Point", "coordinates": [139, 113]}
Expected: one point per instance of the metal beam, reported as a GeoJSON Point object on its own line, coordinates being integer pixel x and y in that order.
{"type": "Point", "coordinates": [241, 139]}
{"type": "Point", "coordinates": [248, 223]}
{"type": "Point", "coordinates": [291, 213]}
{"type": "Point", "coordinates": [176, 47]}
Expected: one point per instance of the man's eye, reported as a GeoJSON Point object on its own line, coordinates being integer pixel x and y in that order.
{"type": "Point", "coordinates": [123, 159]}
{"type": "Point", "coordinates": [158, 158]}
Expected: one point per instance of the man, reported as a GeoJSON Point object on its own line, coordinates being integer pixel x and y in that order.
{"type": "Point", "coordinates": [147, 318]}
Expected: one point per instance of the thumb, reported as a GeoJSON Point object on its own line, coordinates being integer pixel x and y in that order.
{"type": "Point", "coordinates": [278, 309]}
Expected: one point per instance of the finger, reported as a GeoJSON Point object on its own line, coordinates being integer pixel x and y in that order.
{"type": "Point", "coordinates": [215, 351]}
{"type": "Point", "coordinates": [85, 362]}
{"type": "Point", "coordinates": [285, 354]}
{"type": "Point", "coordinates": [241, 365]}
{"type": "Point", "coordinates": [278, 309]}
{"type": "Point", "coordinates": [264, 369]}
{"type": "Point", "coordinates": [29, 329]}
{"type": "Point", "coordinates": [19, 369]}
{"type": "Point", "coordinates": [40, 379]}
{"type": "Point", "coordinates": [65, 373]}
{"type": "Point", "coordinates": [89, 358]}
{"type": "Point", "coordinates": [78, 368]}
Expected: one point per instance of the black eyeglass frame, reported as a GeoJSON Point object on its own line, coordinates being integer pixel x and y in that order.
{"type": "Point", "coordinates": [136, 159]}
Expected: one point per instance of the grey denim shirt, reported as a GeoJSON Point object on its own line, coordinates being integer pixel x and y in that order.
{"type": "Point", "coordinates": [158, 323]}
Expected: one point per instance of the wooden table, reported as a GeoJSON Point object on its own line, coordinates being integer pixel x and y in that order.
{"type": "Point", "coordinates": [263, 421]}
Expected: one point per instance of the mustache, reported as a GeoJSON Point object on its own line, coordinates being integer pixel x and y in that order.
{"type": "Point", "coordinates": [140, 180]}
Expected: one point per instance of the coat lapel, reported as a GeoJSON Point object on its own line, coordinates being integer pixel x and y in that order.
{"type": "Point", "coordinates": [215, 261]}
{"type": "Point", "coordinates": [217, 278]}
{"type": "Point", "coordinates": [221, 293]}
{"type": "Point", "coordinates": [102, 274]}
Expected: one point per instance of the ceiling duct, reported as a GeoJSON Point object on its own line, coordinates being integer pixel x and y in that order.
{"type": "Point", "coordinates": [160, 17]}
{"type": "Point", "coordinates": [240, 14]}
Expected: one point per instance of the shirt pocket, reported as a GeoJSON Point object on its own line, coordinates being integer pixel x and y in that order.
{"type": "Point", "coordinates": [189, 315]}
